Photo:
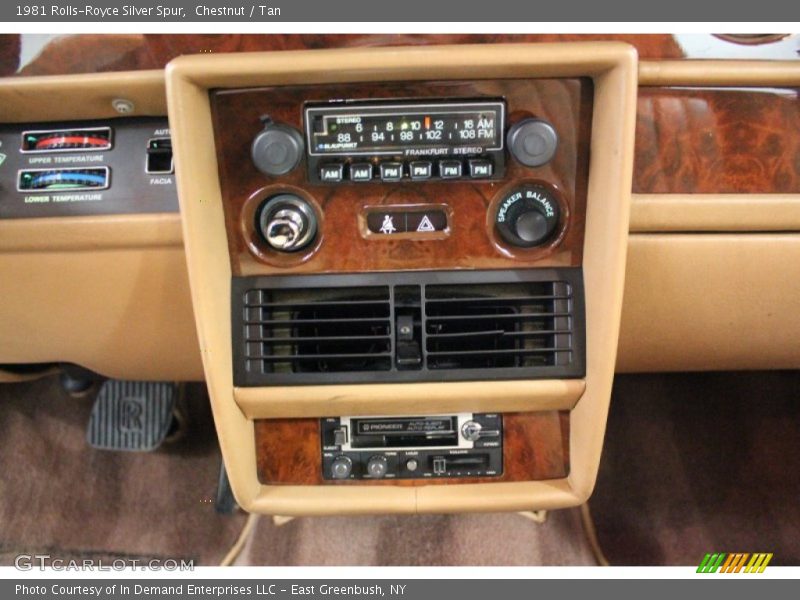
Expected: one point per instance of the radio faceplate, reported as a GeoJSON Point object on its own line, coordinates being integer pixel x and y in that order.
{"type": "Point", "coordinates": [440, 446]}
{"type": "Point", "coordinates": [357, 142]}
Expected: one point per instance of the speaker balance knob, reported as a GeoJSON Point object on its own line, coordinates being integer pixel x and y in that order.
{"type": "Point", "coordinates": [527, 216]}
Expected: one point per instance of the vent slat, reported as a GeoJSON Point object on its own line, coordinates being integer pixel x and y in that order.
{"type": "Point", "coordinates": [290, 322]}
{"type": "Point", "coordinates": [497, 300]}
{"type": "Point", "coordinates": [294, 357]}
{"type": "Point", "coordinates": [499, 332]}
{"type": "Point", "coordinates": [320, 304]}
{"type": "Point", "coordinates": [302, 340]}
{"type": "Point", "coordinates": [501, 352]}
{"type": "Point", "coordinates": [463, 317]}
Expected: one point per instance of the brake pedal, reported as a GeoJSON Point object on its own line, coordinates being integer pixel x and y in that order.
{"type": "Point", "coordinates": [133, 416]}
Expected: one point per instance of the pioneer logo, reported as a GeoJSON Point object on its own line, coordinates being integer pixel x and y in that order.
{"type": "Point", "coordinates": [378, 427]}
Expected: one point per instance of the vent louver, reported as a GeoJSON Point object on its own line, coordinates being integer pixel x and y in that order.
{"type": "Point", "coordinates": [431, 326]}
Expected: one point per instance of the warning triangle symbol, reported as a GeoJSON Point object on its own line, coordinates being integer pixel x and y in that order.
{"type": "Point", "coordinates": [426, 225]}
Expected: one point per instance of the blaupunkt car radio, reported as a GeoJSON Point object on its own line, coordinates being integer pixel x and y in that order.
{"type": "Point", "coordinates": [395, 141]}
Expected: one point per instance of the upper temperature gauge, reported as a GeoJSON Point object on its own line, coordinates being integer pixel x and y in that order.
{"type": "Point", "coordinates": [405, 130]}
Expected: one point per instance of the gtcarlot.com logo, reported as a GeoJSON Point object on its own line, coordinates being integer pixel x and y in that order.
{"type": "Point", "coordinates": [29, 562]}
{"type": "Point", "coordinates": [734, 562]}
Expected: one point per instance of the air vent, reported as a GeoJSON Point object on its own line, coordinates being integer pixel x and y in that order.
{"type": "Point", "coordinates": [518, 325]}
{"type": "Point", "coordinates": [318, 330]}
{"type": "Point", "coordinates": [432, 326]}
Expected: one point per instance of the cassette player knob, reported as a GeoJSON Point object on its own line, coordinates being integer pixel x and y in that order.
{"type": "Point", "coordinates": [341, 467]}
{"type": "Point", "coordinates": [471, 431]}
{"type": "Point", "coordinates": [377, 466]}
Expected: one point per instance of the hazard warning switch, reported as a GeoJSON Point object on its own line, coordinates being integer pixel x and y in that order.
{"type": "Point", "coordinates": [426, 222]}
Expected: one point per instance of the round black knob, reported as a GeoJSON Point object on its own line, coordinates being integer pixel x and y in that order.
{"type": "Point", "coordinates": [277, 149]}
{"type": "Point", "coordinates": [527, 216]}
{"type": "Point", "coordinates": [532, 142]}
{"type": "Point", "coordinates": [341, 467]}
{"type": "Point", "coordinates": [377, 466]}
{"type": "Point", "coordinates": [286, 222]}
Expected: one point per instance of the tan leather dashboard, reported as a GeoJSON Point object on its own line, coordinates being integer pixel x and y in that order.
{"type": "Point", "coordinates": [708, 283]}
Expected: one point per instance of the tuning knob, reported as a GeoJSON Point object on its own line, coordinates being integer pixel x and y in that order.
{"type": "Point", "coordinates": [377, 466]}
{"type": "Point", "coordinates": [527, 216]}
{"type": "Point", "coordinates": [277, 149]}
{"type": "Point", "coordinates": [287, 222]}
{"type": "Point", "coordinates": [341, 467]}
{"type": "Point", "coordinates": [532, 142]}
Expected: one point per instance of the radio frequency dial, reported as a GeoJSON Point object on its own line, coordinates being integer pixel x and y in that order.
{"type": "Point", "coordinates": [527, 216]}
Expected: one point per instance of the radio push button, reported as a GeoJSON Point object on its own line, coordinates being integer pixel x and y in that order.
{"type": "Point", "coordinates": [420, 169]}
{"type": "Point", "coordinates": [449, 169]}
{"type": "Point", "coordinates": [391, 171]}
{"type": "Point", "coordinates": [361, 172]}
{"type": "Point", "coordinates": [480, 168]}
{"type": "Point", "coordinates": [331, 173]}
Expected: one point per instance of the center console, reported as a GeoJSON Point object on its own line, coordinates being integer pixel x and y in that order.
{"type": "Point", "coordinates": [406, 268]}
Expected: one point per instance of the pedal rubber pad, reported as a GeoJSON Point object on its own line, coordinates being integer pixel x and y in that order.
{"type": "Point", "coordinates": [131, 415]}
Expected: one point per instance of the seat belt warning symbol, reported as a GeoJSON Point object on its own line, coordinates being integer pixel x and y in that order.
{"type": "Point", "coordinates": [425, 225]}
{"type": "Point", "coordinates": [388, 225]}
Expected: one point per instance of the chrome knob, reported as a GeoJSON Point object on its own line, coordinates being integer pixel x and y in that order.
{"type": "Point", "coordinates": [471, 431]}
{"type": "Point", "coordinates": [284, 229]}
{"type": "Point", "coordinates": [341, 467]}
{"type": "Point", "coordinates": [287, 222]}
{"type": "Point", "coordinates": [377, 466]}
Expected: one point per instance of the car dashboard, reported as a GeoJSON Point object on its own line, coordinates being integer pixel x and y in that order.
{"type": "Point", "coordinates": [407, 274]}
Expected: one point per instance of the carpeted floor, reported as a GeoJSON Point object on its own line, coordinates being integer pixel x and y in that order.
{"type": "Point", "coordinates": [693, 463]}
{"type": "Point", "coordinates": [424, 540]}
{"type": "Point", "coordinates": [61, 497]}
{"type": "Point", "coordinates": [697, 463]}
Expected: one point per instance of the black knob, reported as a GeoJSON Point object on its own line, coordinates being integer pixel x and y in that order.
{"type": "Point", "coordinates": [341, 467]}
{"type": "Point", "coordinates": [277, 149]}
{"type": "Point", "coordinates": [286, 222]}
{"type": "Point", "coordinates": [527, 216]}
{"type": "Point", "coordinates": [532, 142]}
